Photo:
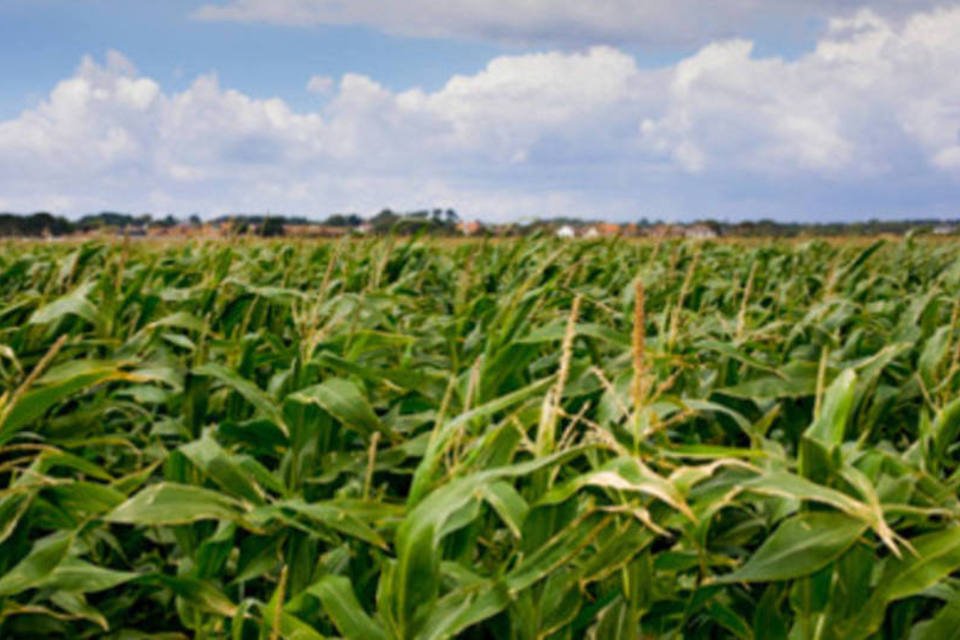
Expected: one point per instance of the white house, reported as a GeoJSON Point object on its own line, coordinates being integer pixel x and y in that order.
{"type": "Point", "coordinates": [566, 231]}
{"type": "Point", "coordinates": [699, 232]}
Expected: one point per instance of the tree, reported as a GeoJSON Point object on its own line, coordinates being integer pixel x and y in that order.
{"type": "Point", "coordinates": [384, 221]}
{"type": "Point", "coordinates": [239, 226]}
{"type": "Point", "coordinates": [271, 228]}
{"type": "Point", "coordinates": [343, 220]}
{"type": "Point", "coordinates": [34, 225]}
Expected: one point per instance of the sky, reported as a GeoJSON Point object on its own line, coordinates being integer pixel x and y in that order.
{"type": "Point", "coordinates": [802, 110]}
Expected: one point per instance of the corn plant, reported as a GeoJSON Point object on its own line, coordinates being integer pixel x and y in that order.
{"type": "Point", "coordinates": [410, 439]}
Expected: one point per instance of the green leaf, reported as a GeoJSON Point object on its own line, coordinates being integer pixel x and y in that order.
{"type": "Point", "coordinates": [946, 428]}
{"type": "Point", "coordinates": [424, 475]}
{"type": "Point", "coordinates": [935, 349]}
{"type": "Point", "coordinates": [801, 545]}
{"type": "Point", "coordinates": [509, 505]}
{"type": "Point", "coordinates": [463, 608]}
{"type": "Point", "coordinates": [336, 516]}
{"type": "Point", "coordinates": [12, 508]}
{"type": "Point", "coordinates": [55, 387]}
{"type": "Point", "coordinates": [75, 303]}
{"type": "Point", "coordinates": [340, 603]}
{"type": "Point", "coordinates": [944, 624]}
{"type": "Point", "coordinates": [292, 627]}
{"type": "Point", "coordinates": [216, 463]}
{"type": "Point", "coordinates": [31, 572]}
{"type": "Point", "coordinates": [180, 320]}
{"type": "Point", "coordinates": [76, 604]}
{"type": "Point", "coordinates": [84, 499]}
{"type": "Point", "coordinates": [415, 580]}
{"type": "Point", "coordinates": [937, 555]}
{"type": "Point", "coordinates": [76, 575]}
{"type": "Point", "coordinates": [202, 594]}
{"type": "Point", "coordinates": [797, 379]}
{"type": "Point", "coordinates": [342, 400]}
{"type": "Point", "coordinates": [623, 474]}
{"type": "Point", "coordinates": [168, 503]}
{"type": "Point", "coordinates": [250, 392]}
{"type": "Point", "coordinates": [829, 428]}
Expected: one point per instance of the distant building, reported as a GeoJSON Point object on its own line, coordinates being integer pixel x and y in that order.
{"type": "Point", "coordinates": [699, 232]}
{"type": "Point", "coordinates": [665, 231]}
{"type": "Point", "coordinates": [603, 229]}
{"type": "Point", "coordinates": [631, 230]}
{"type": "Point", "coordinates": [181, 230]}
{"type": "Point", "coordinates": [944, 229]}
{"type": "Point", "coordinates": [470, 228]}
{"type": "Point", "coordinates": [566, 232]}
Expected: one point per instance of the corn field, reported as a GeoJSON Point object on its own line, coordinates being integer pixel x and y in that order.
{"type": "Point", "coordinates": [408, 439]}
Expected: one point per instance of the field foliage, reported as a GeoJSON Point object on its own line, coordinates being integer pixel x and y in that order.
{"type": "Point", "coordinates": [403, 439]}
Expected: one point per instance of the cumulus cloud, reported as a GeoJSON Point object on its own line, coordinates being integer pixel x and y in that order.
{"type": "Point", "coordinates": [866, 100]}
{"type": "Point", "coordinates": [868, 114]}
{"type": "Point", "coordinates": [320, 84]}
{"type": "Point", "coordinates": [644, 22]}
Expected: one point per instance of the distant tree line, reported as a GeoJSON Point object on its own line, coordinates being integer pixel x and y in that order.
{"type": "Point", "coordinates": [34, 225]}
{"type": "Point", "coordinates": [765, 228]}
{"type": "Point", "coordinates": [432, 221]}
{"type": "Point", "coordinates": [41, 224]}
{"type": "Point", "coordinates": [772, 228]}
{"type": "Point", "coordinates": [436, 221]}
{"type": "Point", "coordinates": [426, 221]}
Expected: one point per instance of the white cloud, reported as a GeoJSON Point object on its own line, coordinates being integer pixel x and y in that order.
{"type": "Point", "coordinates": [320, 84]}
{"type": "Point", "coordinates": [645, 22]}
{"type": "Point", "coordinates": [872, 110]}
{"type": "Point", "coordinates": [867, 98]}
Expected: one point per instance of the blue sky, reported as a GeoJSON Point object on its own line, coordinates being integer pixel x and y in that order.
{"type": "Point", "coordinates": [808, 110]}
{"type": "Point", "coordinates": [42, 40]}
